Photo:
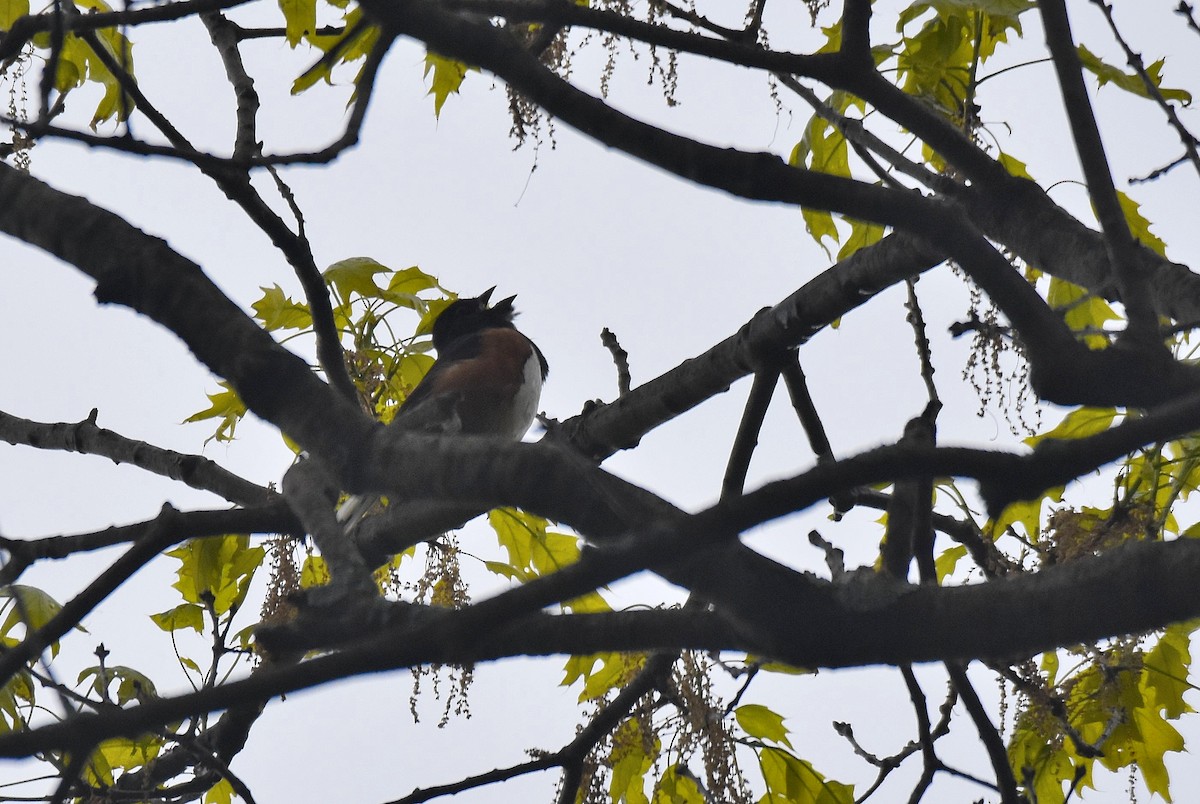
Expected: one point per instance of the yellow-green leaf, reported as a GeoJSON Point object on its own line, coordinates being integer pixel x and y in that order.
{"type": "Point", "coordinates": [216, 571]}
{"type": "Point", "coordinates": [356, 275]}
{"type": "Point", "coordinates": [1079, 423]}
{"type": "Point", "coordinates": [615, 669]}
{"type": "Point", "coordinates": [530, 545]}
{"type": "Point", "coordinates": [1139, 226]}
{"type": "Point", "coordinates": [300, 17]}
{"type": "Point", "coordinates": [630, 762]}
{"type": "Point", "coordinates": [1027, 513]}
{"type": "Point", "coordinates": [30, 607]}
{"type": "Point", "coordinates": [11, 11]}
{"type": "Point", "coordinates": [448, 76]}
{"type": "Point", "coordinates": [759, 721]}
{"type": "Point", "coordinates": [133, 685]}
{"type": "Point", "coordinates": [219, 793]}
{"type": "Point", "coordinates": [1165, 670]}
{"type": "Point", "coordinates": [678, 787]}
{"type": "Point", "coordinates": [185, 615]}
{"type": "Point", "coordinates": [226, 406]}
{"type": "Point", "coordinates": [1014, 166]}
{"type": "Point", "coordinates": [411, 281]}
{"type": "Point", "coordinates": [125, 753]}
{"type": "Point", "coordinates": [797, 782]}
{"type": "Point", "coordinates": [1130, 82]}
{"type": "Point", "coordinates": [313, 572]}
{"type": "Point", "coordinates": [862, 234]}
{"type": "Point", "coordinates": [948, 561]}
{"type": "Point", "coordinates": [354, 43]}
{"type": "Point", "coordinates": [276, 311]}
{"type": "Point", "coordinates": [1082, 310]}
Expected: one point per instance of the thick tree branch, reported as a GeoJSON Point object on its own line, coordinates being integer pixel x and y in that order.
{"type": "Point", "coordinates": [1132, 588]}
{"type": "Point", "coordinates": [1010, 209]}
{"type": "Point", "coordinates": [311, 495]}
{"type": "Point", "coordinates": [235, 344]}
{"type": "Point", "coordinates": [732, 48]}
{"type": "Point", "coordinates": [637, 631]}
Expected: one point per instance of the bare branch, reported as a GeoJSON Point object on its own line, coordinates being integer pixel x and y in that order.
{"type": "Point", "coordinates": [806, 409]}
{"type": "Point", "coordinates": [924, 734]}
{"type": "Point", "coordinates": [620, 360]}
{"type": "Point", "coordinates": [757, 402]}
{"type": "Point", "coordinates": [311, 495]}
{"type": "Point", "coordinates": [1006, 783]}
{"type": "Point", "coordinates": [1143, 322]}
{"type": "Point", "coordinates": [480, 780]}
{"type": "Point", "coordinates": [224, 36]}
{"type": "Point", "coordinates": [1187, 11]}
{"type": "Point", "coordinates": [1134, 60]}
{"type": "Point", "coordinates": [271, 517]}
{"type": "Point", "coordinates": [157, 538]}
{"type": "Point", "coordinates": [605, 429]}
{"type": "Point", "coordinates": [24, 28]}
{"type": "Point", "coordinates": [924, 353]}
{"type": "Point", "coordinates": [88, 438]}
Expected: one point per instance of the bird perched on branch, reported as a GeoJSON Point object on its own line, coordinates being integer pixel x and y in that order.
{"type": "Point", "coordinates": [487, 379]}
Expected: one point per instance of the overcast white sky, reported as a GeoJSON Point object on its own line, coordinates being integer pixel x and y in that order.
{"type": "Point", "coordinates": [590, 239]}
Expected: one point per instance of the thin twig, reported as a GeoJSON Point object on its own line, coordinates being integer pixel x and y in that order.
{"type": "Point", "coordinates": [806, 409]}
{"type": "Point", "coordinates": [1006, 783]}
{"type": "Point", "coordinates": [1185, 10]}
{"type": "Point", "coordinates": [24, 28]}
{"type": "Point", "coordinates": [857, 134]}
{"type": "Point", "coordinates": [620, 360]}
{"type": "Point", "coordinates": [924, 352]}
{"type": "Point", "coordinates": [924, 734]}
{"type": "Point", "coordinates": [757, 402]}
{"type": "Point", "coordinates": [1135, 61]}
{"type": "Point", "coordinates": [224, 36]}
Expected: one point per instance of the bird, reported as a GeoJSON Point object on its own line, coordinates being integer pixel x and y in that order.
{"type": "Point", "coordinates": [493, 372]}
{"type": "Point", "coordinates": [487, 380]}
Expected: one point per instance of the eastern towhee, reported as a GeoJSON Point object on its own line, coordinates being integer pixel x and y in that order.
{"type": "Point", "coordinates": [487, 379]}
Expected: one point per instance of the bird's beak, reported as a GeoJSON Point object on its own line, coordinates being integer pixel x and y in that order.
{"type": "Point", "coordinates": [486, 296]}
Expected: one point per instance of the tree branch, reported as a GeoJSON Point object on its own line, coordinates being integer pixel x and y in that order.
{"type": "Point", "coordinates": [87, 438]}
{"type": "Point", "coordinates": [271, 517]}
{"type": "Point", "coordinates": [24, 28]}
{"type": "Point", "coordinates": [158, 537]}
{"type": "Point", "coordinates": [1143, 322]}
{"type": "Point", "coordinates": [1006, 783]}
{"type": "Point", "coordinates": [757, 402]}
{"type": "Point", "coordinates": [806, 409]}
{"type": "Point", "coordinates": [1133, 588]}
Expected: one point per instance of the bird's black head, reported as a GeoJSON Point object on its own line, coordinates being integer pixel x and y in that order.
{"type": "Point", "coordinates": [467, 316]}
